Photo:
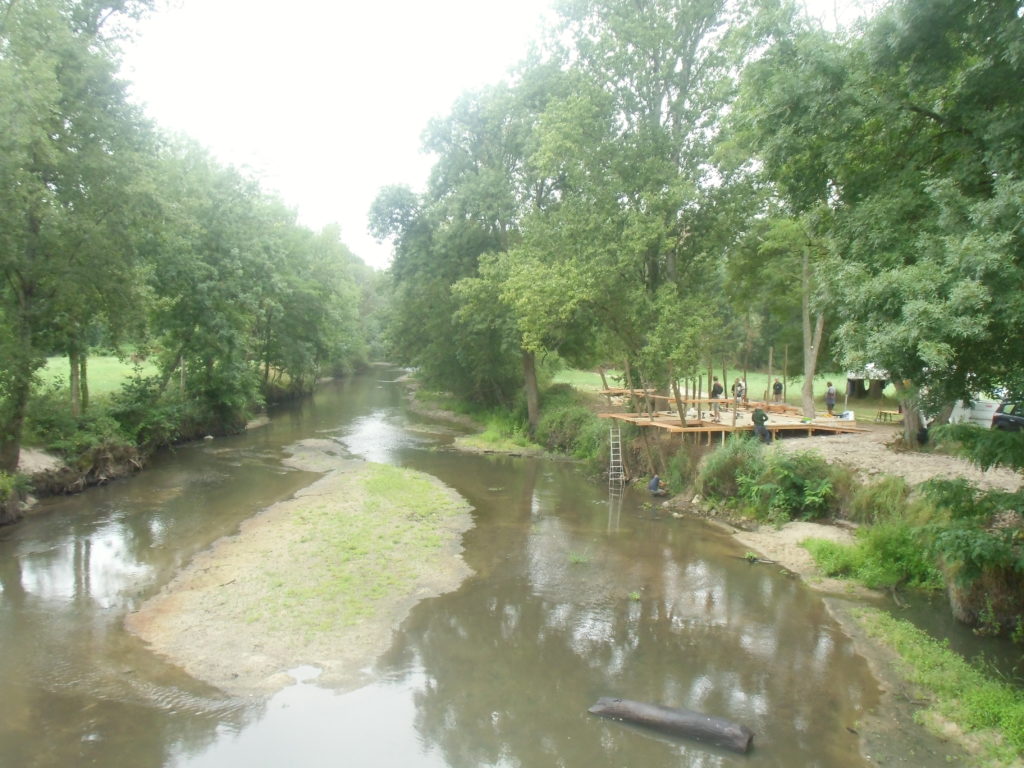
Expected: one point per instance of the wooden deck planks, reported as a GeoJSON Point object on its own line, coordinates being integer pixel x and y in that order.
{"type": "Point", "coordinates": [670, 423]}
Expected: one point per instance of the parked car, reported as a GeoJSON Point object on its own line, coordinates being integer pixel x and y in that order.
{"type": "Point", "coordinates": [1009, 416]}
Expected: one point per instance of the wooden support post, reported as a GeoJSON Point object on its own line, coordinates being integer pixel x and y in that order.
{"type": "Point", "coordinates": [604, 384]}
{"type": "Point", "coordinates": [785, 373]}
{"type": "Point", "coordinates": [679, 402]}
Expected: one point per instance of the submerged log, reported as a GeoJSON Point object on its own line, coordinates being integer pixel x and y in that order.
{"type": "Point", "coordinates": [685, 722]}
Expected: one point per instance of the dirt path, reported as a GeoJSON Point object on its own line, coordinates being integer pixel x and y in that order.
{"type": "Point", "coordinates": [310, 581]}
{"type": "Point", "coordinates": [869, 454]}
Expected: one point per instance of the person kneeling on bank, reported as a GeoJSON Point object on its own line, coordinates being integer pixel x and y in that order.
{"type": "Point", "coordinates": [656, 487]}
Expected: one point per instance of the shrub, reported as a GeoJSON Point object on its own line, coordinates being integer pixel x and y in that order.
{"type": "Point", "coordinates": [148, 416]}
{"type": "Point", "coordinates": [885, 555]}
{"type": "Point", "coordinates": [13, 486]}
{"type": "Point", "coordinates": [567, 424]}
{"type": "Point", "coordinates": [894, 555]}
{"type": "Point", "coordinates": [884, 499]}
{"type": "Point", "coordinates": [51, 425]}
{"type": "Point", "coordinates": [720, 472]}
{"type": "Point", "coordinates": [504, 425]}
{"type": "Point", "coordinates": [683, 467]}
{"type": "Point", "coordinates": [789, 486]}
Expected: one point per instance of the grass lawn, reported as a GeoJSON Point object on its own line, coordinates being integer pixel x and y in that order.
{"type": "Point", "coordinates": [105, 373]}
{"type": "Point", "coordinates": [759, 385]}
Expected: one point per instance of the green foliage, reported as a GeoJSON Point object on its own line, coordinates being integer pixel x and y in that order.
{"type": "Point", "coordinates": [789, 486]}
{"type": "Point", "coordinates": [149, 417]}
{"type": "Point", "coordinates": [892, 554]}
{"type": "Point", "coordinates": [719, 474]}
{"type": "Point", "coordinates": [569, 426]}
{"type": "Point", "coordinates": [968, 540]}
{"type": "Point", "coordinates": [51, 425]}
{"type": "Point", "coordinates": [883, 499]}
{"type": "Point", "coordinates": [970, 551]}
{"type": "Point", "coordinates": [985, 447]}
{"type": "Point", "coordinates": [990, 709]}
{"type": "Point", "coordinates": [682, 469]}
{"type": "Point", "coordinates": [13, 486]}
{"type": "Point", "coordinates": [111, 234]}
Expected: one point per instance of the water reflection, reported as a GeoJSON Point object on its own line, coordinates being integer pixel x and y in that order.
{"type": "Point", "coordinates": [577, 594]}
{"type": "Point", "coordinates": [540, 634]}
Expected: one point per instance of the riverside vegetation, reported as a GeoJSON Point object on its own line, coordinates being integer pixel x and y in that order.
{"type": "Point", "coordinates": [942, 535]}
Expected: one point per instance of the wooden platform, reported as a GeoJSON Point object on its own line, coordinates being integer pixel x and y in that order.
{"type": "Point", "coordinates": [782, 418]}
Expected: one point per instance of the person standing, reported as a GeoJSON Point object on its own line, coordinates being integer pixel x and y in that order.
{"type": "Point", "coordinates": [717, 390]}
{"type": "Point", "coordinates": [830, 398]}
{"type": "Point", "coordinates": [737, 390]}
{"type": "Point", "coordinates": [777, 390]}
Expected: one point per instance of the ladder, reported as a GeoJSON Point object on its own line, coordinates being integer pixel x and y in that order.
{"type": "Point", "coordinates": [616, 472]}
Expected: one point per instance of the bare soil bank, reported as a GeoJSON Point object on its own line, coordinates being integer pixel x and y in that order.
{"type": "Point", "coordinates": [311, 581]}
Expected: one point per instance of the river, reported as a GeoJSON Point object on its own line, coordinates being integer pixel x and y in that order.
{"type": "Point", "coordinates": [575, 595]}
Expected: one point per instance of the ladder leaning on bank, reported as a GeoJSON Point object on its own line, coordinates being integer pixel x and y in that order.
{"type": "Point", "coordinates": [616, 472]}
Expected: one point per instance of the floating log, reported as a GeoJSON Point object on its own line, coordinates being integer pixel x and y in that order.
{"type": "Point", "coordinates": [685, 722]}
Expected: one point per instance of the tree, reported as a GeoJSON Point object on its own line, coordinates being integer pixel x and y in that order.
{"type": "Point", "coordinates": [69, 148]}
{"type": "Point", "coordinates": [909, 133]}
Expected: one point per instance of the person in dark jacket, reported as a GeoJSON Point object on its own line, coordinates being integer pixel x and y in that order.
{"type": "Point", "coordinates": [760, 418]}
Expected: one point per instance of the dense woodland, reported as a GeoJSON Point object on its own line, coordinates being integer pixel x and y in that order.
{"type": "Point", "coordinates": [660, 186]}
{"type": "Point", "coordinates": [668, 184]}
{"type": "Point", "coordinates": [117, 238]}
{"type": "Point", "coordinates": [663, 186]}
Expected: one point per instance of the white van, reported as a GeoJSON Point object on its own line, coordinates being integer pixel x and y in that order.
{"type": "Point", "coordinates": [980, 412]}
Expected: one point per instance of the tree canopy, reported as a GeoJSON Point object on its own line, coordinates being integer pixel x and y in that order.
{"type": "Point", "coordinates": [114, 235]}
{"type": "Point", "coordinates": [671, 181]}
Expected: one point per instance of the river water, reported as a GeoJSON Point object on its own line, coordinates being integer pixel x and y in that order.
{"type": "Point", "coordinates": [575, 595]}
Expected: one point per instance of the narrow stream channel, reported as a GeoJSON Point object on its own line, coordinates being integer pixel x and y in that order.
{"type": "Point", "coordinates": [575, 595]}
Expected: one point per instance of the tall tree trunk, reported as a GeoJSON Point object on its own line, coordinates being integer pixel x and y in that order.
{"type": "Point", "coordinates": [76, 403]}
{"type": "Point", "coordinates": [20, 366]}
{"type": "Point", "coordinates": [604, 384]}
{"type": "Point", "coordinates": [812, 340]}
{"type": "Point", "coordinates": [911, 412]}
{"type": "Point", "coordinates": [627, 371]}
{"type": "Point", "coordinates": [680, 409]}
{"type": "Point", "coordinates": [83, 380]}
{"type": "Point", "coordinates": [10, 430]}
{"type": "Point", "coordinates": [532, 393]}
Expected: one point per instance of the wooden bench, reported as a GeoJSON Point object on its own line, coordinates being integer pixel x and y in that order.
{"type": "Point", "coordinates": [888, 417]}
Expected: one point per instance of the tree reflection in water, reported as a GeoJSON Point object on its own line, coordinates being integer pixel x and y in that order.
{"type": "Point", "coordinates": [552, 621]}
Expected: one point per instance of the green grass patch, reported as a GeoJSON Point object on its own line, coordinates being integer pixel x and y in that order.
{"type": "Point", "coordinates": [391, 532]}
{"type": "Point", "coordinates": [105, 373]}
{"type": "Point", "coordinates": [990, 710]}
{"type": "Point", "coordinates": [586, 381]}
{"type": "Point", "coordinates": [888, 554]}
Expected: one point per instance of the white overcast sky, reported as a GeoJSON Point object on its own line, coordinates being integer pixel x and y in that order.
{"type": "Point", "coordinates": [325, 100]}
